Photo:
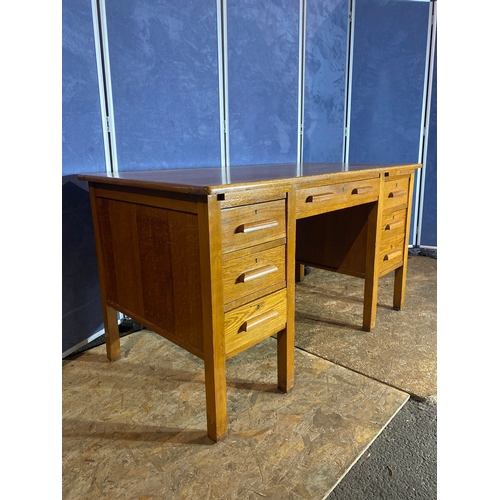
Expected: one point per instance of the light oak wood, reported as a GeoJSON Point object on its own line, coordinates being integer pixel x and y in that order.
{"type": "Point", "coordinates": [255, 321]}
{"type": "Point", "coordinates": [210, 248]}
{"type": "Point", "coordinates": [211, 266]}
{"type": "Point", "coordinates": [250, 225]}
{"type": "Point", "coordinates": [253, 272]}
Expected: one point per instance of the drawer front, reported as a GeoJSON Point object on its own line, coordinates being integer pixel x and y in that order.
{"type": "Point", "coordinates": [251, 273]}
{"type": "Point", "coordinates": [321, 199]}
{"type": "Point", "coordinates": [396, 193]}
{"type": "Point", "coordinates": [391, 253]}
{"type": "Point", "coordinates": [255, 321]}
{"type": "Point", "coordinates": [252, 224]}
{"type": "Point", "coordinates": [393, 224]}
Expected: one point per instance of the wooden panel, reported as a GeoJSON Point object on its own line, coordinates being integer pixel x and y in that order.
{"type": "Point", "coordinates": [320, 199]}
{"type": "Point", "coordinates": [396, 193]}
{"type": "Point", "coordinates": [254, 272]}
{"type": "Point", "coordinates": [252, 224]}
{"type": "Point", "coordinates": [255, 321]}
{"type": "Point", "coordinates": [335, 240]}
{"type": "Point", "coordinates": [152, 266]}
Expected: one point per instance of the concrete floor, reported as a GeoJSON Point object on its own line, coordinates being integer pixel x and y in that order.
{"type": "Point", "coordinates": [136, 428]}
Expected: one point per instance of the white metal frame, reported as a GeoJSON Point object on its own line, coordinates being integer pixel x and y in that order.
{"type": "Point", "coordinates": [301, 85]}
{"type": "Point", "coordinates": [223, 88]}
{"type": "Point", "coordinates": [348, 84]}
{"type": "Point", "coordinates": [426, 113]}
{"type": "Point", "coordinates": [105, 87]}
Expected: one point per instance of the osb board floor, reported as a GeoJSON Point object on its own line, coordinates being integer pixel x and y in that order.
{"type": "Point", "coordinates": [136, 428]}
{"type": "Point", "coordinates": [399, 351]}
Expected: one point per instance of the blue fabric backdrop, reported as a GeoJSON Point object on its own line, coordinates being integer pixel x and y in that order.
{"type": "Point", "coordinates": [163, 58]}
{"type": "Point", "coordinates": [263, 46]}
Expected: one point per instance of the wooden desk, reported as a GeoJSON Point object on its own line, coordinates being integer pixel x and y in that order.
{"type": "Point", "coordinates": [210, 265]}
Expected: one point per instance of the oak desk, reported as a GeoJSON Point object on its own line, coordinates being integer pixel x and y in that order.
{"type": "Point", "coordinates": [211, 265]}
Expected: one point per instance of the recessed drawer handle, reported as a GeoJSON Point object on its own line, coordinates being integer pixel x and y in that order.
{"type": "Point", "coordinates": [392, 255]}
{"type": "Point", "coordinates": [251, 323]}
{"type": "Point", "coordinates": [320, 197]}
{"type": "Point", "coordinates": [362, 189]}
{"type": "Point", "coordinates": [256, 273]}
{"type": "Point", "coordinates": [398, 192]}
{"type": "Point", "coordinates": [256, 226]}
{"type": "Point", "coordinates": [394, 225]}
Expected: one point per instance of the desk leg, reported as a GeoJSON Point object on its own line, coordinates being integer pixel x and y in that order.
{"type": "Point", "coordinates": [112, 333]}
{"type": "Point", "coordinates": [286, 359]}
{"type": "Point", "coordinates": [399, 288]}
{"type": "Point", "coordinates": [371, 268]}
{"type": "Point", "coordinates": [299, 272]}
{"type": "Point", "coordinates": [400, 273]}
{"type": "Point", "coordinates": [216, 394]}
{"type": "Point", "coordinates": [214, 354]}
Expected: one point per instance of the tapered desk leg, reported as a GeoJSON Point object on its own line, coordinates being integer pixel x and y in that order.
{"type": "Point", "coordinates": [370, 302]}
{"type": "Point", "coordinates": [371, 268]}
{"type": "Point", "coordinates": [109, 314]}
{"type": "Point", "coordinates": [399, 288]}
{"type": "Point", "coordinates": [215, 387]}
{"type": "Point", "coordinates": [400, 273]}
{"type": "Point", "coordinates": [112, 333]}
{"type": "Point", "coordinates": [286, 337]}
{"type": "Point", "coordinates": [286, 359]}
{"type": "Point", "coordinates": [214, 354]}
{"type": "Point", "coordinates": [299, 272]}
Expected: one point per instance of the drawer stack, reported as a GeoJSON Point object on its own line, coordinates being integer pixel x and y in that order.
{"type": "Point", "coordinates": [393, 225]}
{"type": "Point", "coordinates": [253, 273]}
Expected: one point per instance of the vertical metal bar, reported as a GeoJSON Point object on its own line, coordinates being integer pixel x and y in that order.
{"type": "Point", "coordinates": [101, 85]}
{"type": "Point", "coordinates": [301, 82]}
{"type": "Point", "coordinates": [348, 84]}
{"type": "Point", "coordinates": [107, 87]}
{"type": "Point", "coordinates": [426, 111]}
{"type": "Point", "coordinates": [226, 89]}
{"type": "Point", "coordinates": [223, 95]}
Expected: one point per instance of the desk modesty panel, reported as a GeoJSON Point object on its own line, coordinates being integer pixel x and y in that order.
{"type": "Point", "coordinates": [211, 263]}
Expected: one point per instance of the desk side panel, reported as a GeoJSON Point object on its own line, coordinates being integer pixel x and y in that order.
{"type": "Point", "coordinates": [152, 268]}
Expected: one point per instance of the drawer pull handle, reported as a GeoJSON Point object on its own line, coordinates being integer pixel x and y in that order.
{"type": "Point", "coordinates": [256, 226]}
{"type": "Point", "coordinates": [398, 192]}
{"type": "Point", "coordinates": [392, 255]}
{"type": "Point", "coordinates": [256, 273]}
{"type": "Point", "coordinates": [320, 197]}
{"type": "Point", "coordinates": [362, 189]}
{"type": "Point", "coordinates": [251, 323]}
{"type": "Point", "coordinates": [394, 225]}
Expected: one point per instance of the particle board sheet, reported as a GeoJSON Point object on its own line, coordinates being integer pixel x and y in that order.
{"type": "Point", "coordinates": [136, 428]}
{"type": "Point", "coordinates": [402, 348]}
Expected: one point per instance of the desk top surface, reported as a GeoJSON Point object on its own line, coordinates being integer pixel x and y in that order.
{"type": "Point", "coordinates": [212, 180]}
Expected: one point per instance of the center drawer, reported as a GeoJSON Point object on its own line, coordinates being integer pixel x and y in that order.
{"type": "Point", "coordinates": [251, 273]}
{"type": "Point", "coordinates": [319, 199]}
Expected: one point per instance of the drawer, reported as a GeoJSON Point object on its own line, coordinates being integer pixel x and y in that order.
{"type": "Point", "coordinates": [254, 272]}
{"type": "Point", "coordinates": [396, 193]}
{"type": "Point", "coordinates": [255, 321]}
{"type": "Point", "coordinates": [393, 224]}
{"type": "Point", "coordinates": [252, 224]}
{"type": "Point", "coordinates": [319, 199]}
{"type": "Point", "coordinates": [391, 253]}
